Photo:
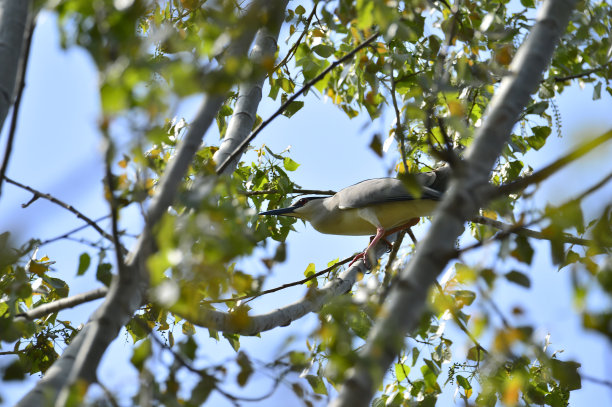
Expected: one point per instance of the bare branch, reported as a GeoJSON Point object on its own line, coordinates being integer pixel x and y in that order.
{"type": "Point", "coordinates": [71, 232]}
{"type": "Point", "coordinates": [70, 208]}
{"type": "Point", "coordinates": [467, 193]}
{"type": "Point", "coordinates": [582, 74]}
{"type": "Point", "coordinates": [292, 98]}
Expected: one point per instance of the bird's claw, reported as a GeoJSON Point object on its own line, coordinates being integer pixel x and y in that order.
{"type": "Point", "coordinates": [361, 256]}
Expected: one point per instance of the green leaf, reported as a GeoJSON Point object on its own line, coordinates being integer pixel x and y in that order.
{"type": "Point", "coordinates": [518, 278]}
{"type": "Point", "coordinates": [540, 134]}
{"type": "Point", "coordinates": [597, 91]}
{"type": "Point", "coordinates": [234, 340]}
{"type": "Point", "coordinates": [202, 390]}
{"type": "Point", "coordinates": [566, 372]}
{"type": "Point", "coordinates": [523, 251]}
{"type": "Point", "coordinates": [299, 10]}
{"type": "Point", "coordinates": [463, 382]}
{"type": "Point", "coordinates": [401, 371]}
{"type": "Point", "coordinates": [246, 369]}
{"type": "Point", "coordinates": [103, 274]}
{"type": "Point", "coordinates": [84, 262]}
{"type": "Point", "coordinates": [289, 164]}
{"type": "Point", "coordinates": [317, 384]}
{"type": "Point", "coordinates": [14, 371]}
{"type": "Point", "coordinates": [324, 50]}
{"type": "Point", "coordinates": [114, 98]}
{"type": "Point", "coordinates": [376, 145]}
{"type": "Point", "coordinates": [293, 108]}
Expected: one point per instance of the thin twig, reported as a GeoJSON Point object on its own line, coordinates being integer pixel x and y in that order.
{"type": "Point", "coordinates": [399, 128]}
{"type": "Point", "coordinates": [114, 208]}
{"type": "Point", "coordinates": [291, 99]}
{"type": "Point", "coordinates": [282, 287]}
{"type": "Point", "coordinates": [70, 208]}
{"type": "Point", "coordinates": [507, 228]}
{"type": "Point", "coordinates": [550, 169]}
{"type": "Point", "coordinates": [581, 74]}
{"type": "Point", "coordinates": [294, 47]}
{"type": "Point", "coordinates": [16, 106]}
{"type": "Point", "coordinates": [596, 380]}
{"type": "Point", "coordinates": [73, 231]}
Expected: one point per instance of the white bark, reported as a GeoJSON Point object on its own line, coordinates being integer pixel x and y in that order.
{"type": "Point", "coordinates": [249, 96]}
{"type": "Point", "coordinates": [466, 195]}
{"type": "Point", "coordinates": [13, 16]}
{"type": "Point", "coordinates": [311, 302]}
{"type": "Point", "coordinates": [127, 292]}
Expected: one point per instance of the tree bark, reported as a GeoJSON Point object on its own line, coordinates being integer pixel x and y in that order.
{"type": "Point", "coordinates": [13, 17]}
{"type": "Point", "coordinates": [466, 195]}
{"type": "Point", "coordinates": [80, 360]}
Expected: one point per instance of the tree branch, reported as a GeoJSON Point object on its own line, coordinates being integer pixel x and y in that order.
{"type": "Point", "coordinates": [249, 96]}
{"type": "Point", "coordinates": [80, 360]}
{"type": "Point", "coordinates": [311, 302]}
{"type": "Point", "coordinates": [292, 98]}
{"type": "Point", "coordinates": [281, 287]}
{"type": "Point", "coordinates": [21, 81]}
{"type": "Point", "coordinates": [37, 194]}
{"type": "Point", "coordinates": [467, 193]}
{"type": "Point", "coordinates": [13, 21]}
{"type": "Point", "coordinates": [521, 230]}
{"type": "Point", "coordinates": [581, 74]}
{"type": "Point", "coordinates": [62, 304]}
{"type": "Point", "coordinates": [550, 169]}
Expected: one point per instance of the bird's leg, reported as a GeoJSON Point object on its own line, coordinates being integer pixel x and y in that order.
{"type": "Point", "coordinates": [406, 225]}
{"type": "Point", "coordinates": [380, 232]}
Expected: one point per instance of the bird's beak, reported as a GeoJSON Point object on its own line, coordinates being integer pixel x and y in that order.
{"type": "Point", "coordinates": [283, 211]}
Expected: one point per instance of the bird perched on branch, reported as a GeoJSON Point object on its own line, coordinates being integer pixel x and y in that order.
{"type": "Point", "coordinates": [378, 207]}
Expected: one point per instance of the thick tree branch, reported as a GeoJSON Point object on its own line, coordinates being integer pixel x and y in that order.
{"type": "Point", "coordinates": [312, 302]}
{"type": "Point", "coordinates": [465, 196]}
{"type": "Point", "coordinates": [13, 20]}
{"type": "Point", "coordinates": [292, 98]}
{"type": "Point", "coordinates": [127, 292]}
{"type": "Point", "coordinates": [249, 96]}
{"type": "Point", "coordinates": [23, 66]}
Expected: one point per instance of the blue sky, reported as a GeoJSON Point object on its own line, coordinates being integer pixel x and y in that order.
{"type": "Point", "coordinates": [57, 151]}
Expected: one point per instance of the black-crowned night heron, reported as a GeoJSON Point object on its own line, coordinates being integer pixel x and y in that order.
{"type": "Point", "coordinates": [378, 207]}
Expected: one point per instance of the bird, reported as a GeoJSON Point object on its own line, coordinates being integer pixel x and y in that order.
{"type": "Point", "coordinates": [378, 207]}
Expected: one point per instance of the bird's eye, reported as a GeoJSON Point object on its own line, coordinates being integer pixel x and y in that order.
{"type": "Point", "coordinates": [301, 202]}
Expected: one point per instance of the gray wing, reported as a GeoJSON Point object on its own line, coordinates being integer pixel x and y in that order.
{"type": "Point", "coordinates": [380, 190]}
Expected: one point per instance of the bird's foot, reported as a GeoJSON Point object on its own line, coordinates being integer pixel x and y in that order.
{"type": "Point", "coordinates": [389, 244]}
{"type": "Point", "coordinates": [362, 256]}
